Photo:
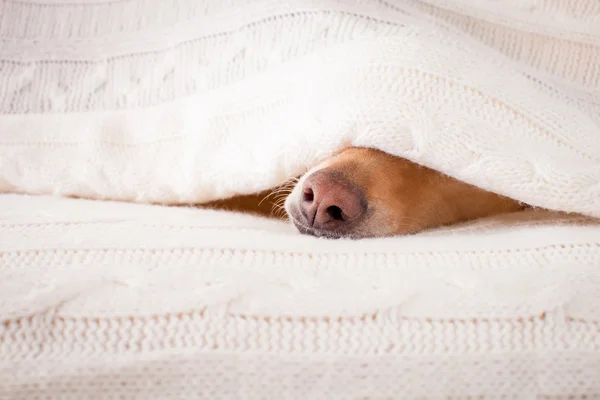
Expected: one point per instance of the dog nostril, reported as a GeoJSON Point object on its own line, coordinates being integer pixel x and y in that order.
{"type": "Point", "coordinates": [308, 195]}
{"type": "Point", "coordinates": [335, 213]}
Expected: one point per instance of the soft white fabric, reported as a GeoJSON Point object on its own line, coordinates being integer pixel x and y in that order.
{"type": "Point", "coordinates": [114, 300]}
{"type": "Point", "coordinates": [188, 101]}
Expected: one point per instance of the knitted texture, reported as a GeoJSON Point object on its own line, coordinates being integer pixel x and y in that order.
{"type": "Point", "coordinates": [113, 300]}
{"type": "Point", "coordinates": [189, 101]}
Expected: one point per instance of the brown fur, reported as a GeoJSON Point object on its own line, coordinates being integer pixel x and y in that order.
{"type": "Point", "coordinates": [403, 197]}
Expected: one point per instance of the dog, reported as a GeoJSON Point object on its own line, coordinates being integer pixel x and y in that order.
{"type": "Point", "coordinates": [365, 193]}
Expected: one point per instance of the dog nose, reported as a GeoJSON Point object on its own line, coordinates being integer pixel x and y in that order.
{"type": "Point", "coordinates": [330, 201]}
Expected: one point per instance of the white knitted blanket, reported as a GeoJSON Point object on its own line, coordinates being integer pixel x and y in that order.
{"type": "Point", "coordinates": [186, 101]}
{"type": "Point", "coordinates": [106, 300]}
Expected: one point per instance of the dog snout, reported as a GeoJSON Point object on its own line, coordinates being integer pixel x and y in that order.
{"type": "Point", "coordinates": [329, 201]}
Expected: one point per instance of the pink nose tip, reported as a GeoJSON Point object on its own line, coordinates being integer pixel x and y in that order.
{"type": "Point", "coordinates": [330, 201]}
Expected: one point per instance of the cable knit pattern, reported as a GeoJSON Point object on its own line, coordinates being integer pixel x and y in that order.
{"type": "Point", "coordinates": [131, 100]}
{"type": "Point", "coordinates": [192, 100]}
{"type": "Point", "coordinates": [108, 300]}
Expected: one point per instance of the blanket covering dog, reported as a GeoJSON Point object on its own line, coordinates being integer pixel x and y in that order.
{"type": "Point", "coordinates": [188, 100]}
{"type": "Point", "coordinates": [199, 100]}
